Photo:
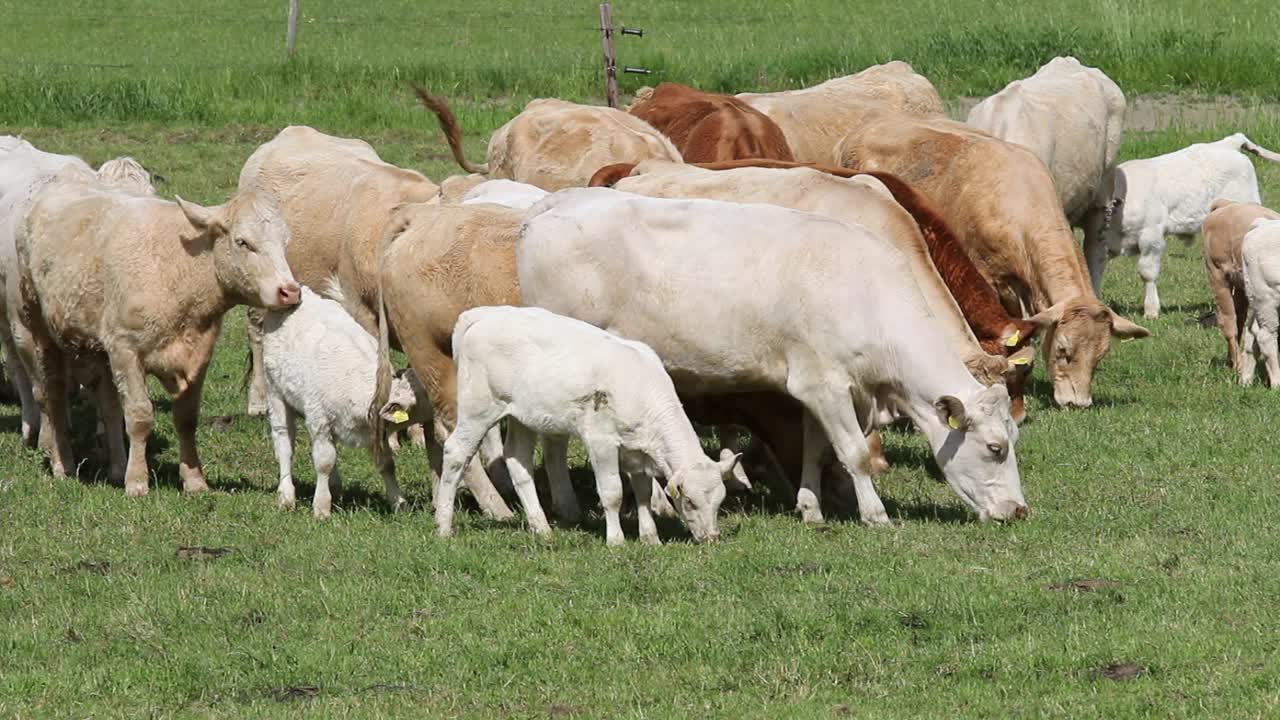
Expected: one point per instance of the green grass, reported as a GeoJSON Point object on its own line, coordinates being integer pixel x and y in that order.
{"type": "Point", "coordinates": [1165, 488]}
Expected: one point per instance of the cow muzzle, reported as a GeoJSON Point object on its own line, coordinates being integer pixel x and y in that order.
{"type": "Point", "coordinates": [1006, 510]}
{"type": "Point", "coordinates": [288, 294]}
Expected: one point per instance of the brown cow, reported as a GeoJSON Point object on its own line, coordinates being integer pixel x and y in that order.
{"type": "Point", "coordinates": [707, 127]}
{"type": "Point", "coordinates": [1224, 231]}
{"type": "Point", "coordinates": [1001, 201]}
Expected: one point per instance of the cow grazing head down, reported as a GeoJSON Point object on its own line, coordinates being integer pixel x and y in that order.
{"type": "Point", "coordinates": [698, 490]}
{"type": "Point", "coordinates": [977, 455]}
{"type": "Point", "coordinates": [249, 239]}
{"type": "Point", "coordinates": [1076, 336]}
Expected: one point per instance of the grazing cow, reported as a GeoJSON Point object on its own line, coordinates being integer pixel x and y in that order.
{"type": "Point", "coordinates": [555, 144]}
{"type": "Point", "coordinates": [555, 377]}
{"type": "Point", "coordinates": [758, 298]}
{"type": "Point", "coordinates": [815, 120]}
{"type": "Point", "coordinates": [1261, 253]}
{"type": "Point", "coordinates": [507, 193]}
{"type": "Point", "coordinates": [331, 390]}
{"type": "Point", "coordinates": [1224, 232]}
{"type": "Point", "coordinates": [23, 171]}
{"type": "Point", "coordinates": [1002, 204]}
{"type": "Point", "coordinates": [1171, 194]}
{"type": "Point", "coordinates": [122, 286]}
{"type": "Point", "coordinates": [706, 127]}
{"type": "Point", "coordinates": [1070, 116]}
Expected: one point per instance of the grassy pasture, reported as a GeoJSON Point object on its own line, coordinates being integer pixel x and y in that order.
{"type": "Point", "coordinates": [1163, 491]}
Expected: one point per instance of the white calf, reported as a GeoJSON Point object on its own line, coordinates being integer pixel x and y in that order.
{"type": "Point", "coordinates": [555, 376]}
{"type": "Point", "coordinates": [1171, 195]}
{"type": "Point", "coordinates": [322, 365]}
{"type": "Point", "coordinates": [1261, 256]}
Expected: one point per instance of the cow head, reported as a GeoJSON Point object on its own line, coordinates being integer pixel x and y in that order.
{"type": "Point", "coordinates": [1077, 335]}
{"type": "Point", "coordinates": [125, 173]}
{"type": "Point", "coordinates": [697, 490]}
{"type": "Point", "coordinates": [400, 407]}
{"type": "Point", "coordinates": [975, 450]}
{"type": "Point", "coordinates": [249, 239]}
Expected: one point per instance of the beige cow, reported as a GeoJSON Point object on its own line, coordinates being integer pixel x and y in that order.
{"type": "Point", "coordinates": [1070, 116]}
{"type": "Point", "coordinates": [1003, 205]}
{"type": "Point", "coordinates": [1224, 232]}
{"type": "Point", "coordinates": [816, 119]}
{"type": "Point", "coordinates": [336, 196]}
{"type": "Point", "coordinates": [121, 286]}
{"type": "Point", "coordinates": [555, 144]}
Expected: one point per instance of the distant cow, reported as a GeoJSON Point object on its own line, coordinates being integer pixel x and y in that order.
{"type": "Point", "coordinates": [1070, 116]}
{"type": "Point", "coordinates": [1171, 194]}
{"type": "Point", "coordinates": [555, 144]}
{"type": "Point", "coordinates": [1003, 206]}
{"type": "Point", "coordinates": [120, 286]}
{"type": "Point", "coordinates": [1224, 232]}
{"type": "Point", "coordinates": [815, 119]}
{"type": "Point", "coordinates": [706, 127]}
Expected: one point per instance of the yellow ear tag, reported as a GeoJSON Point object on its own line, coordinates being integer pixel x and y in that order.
{"type": "Point", "coordinates": [1025, 360]}
{"type": "Point", "coordinates": [673, 490]}
{"type": "Point", "coordinates": [953, 422]}
{"type": "Point", "coordinates": [400, 416]}
{"type": "Point", "coordinates": [1013, 339]}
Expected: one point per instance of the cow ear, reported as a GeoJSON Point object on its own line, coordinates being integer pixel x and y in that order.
{"type": "Point", "coordinates": [1125, 329]}
{"type": "Point", "coordinates": [951, 412]}
{"type": "Point", "coordinates": [201, 218]}
{"type": "Point", "coordinates": [1048, 317]}
{"type": "Point", "coordinates": [730, 466]}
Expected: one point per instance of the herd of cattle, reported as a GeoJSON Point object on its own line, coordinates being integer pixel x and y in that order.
{"type": "Point", "coordinates": [808, 265]}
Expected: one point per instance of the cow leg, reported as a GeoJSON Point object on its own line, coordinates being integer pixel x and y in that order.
{"type": "Point", "coordinates": [258, 372]}
{"type": "Point", "coordinates": [186, 418]}
{"type": "Point", "coordinates": [324, 457]}
{"type": "Point", "coordinates": [1240, 301]}
{"type": "Point", "coordinates": [810, 494]}
{"type": "Point", "coordinates": [1150, 254]}
{"type": "Point", "coordinates": [518, 453]}
{"type": "Point", "coordinates": [1248, 351]}
{"type": "Point", "coordinates": [459, 453]}
{"type": "Point", "coordinates": [1095, 248]}
{"type": "Point", "coordinates": [442, 386]}
{"type": "Point", "coordinates": [491, 458]}
{"type": "Point", "coordinates": [113, 422]}
{"type": "Point", "coordinates": [1267, 325]}
{"type": "Point", "coordinates": [390, 487]}
{"type": "Point", "coordinates": [642, 486]}
{"type": "Point", "coordinates": [50, 393]}
{"type": "Point", "coordinates": [22, 386]}
{"type": "Point", "coordinates": [491, 503]}
{"type": "Point", "coordinates": [283, 436]}
{"type": "Point", "coordinates": [555, 458]}
{"type": "Point", "coordinates": [602, 451]}
{"type": "Point", "coordinates": [417, 435]}
{"type": "Point", "coordinates": [139, 417]}
{"type": "Point", "coordinates": [835, 415]}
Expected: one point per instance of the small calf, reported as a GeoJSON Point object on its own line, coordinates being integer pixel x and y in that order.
{"type": "Point", "coordinates": [322, 365]}
{"type": "Point", "coordinates": [555, 376]}
{"type": "Point", "coordinates": [1261, 253]}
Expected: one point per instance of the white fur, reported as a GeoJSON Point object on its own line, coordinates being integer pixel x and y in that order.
{"type": "Point", "coordinates": [555, 376]}
{"type": "Point", "coordinates": [508, 193]}
{"type": "Point", "coordinates": [1171, 195]}
{"type": "Point", "coordinates": [322, 365]}
{"type": "Point", "coordinates": [1261, 254]}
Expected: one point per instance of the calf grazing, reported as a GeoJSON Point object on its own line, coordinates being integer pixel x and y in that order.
{"type": "Point", "coordinates": [555, 376]}
{"type": "Point", "coordinates": [124, 286]}
{"type": "Point", "coordinates": [331, 389]}
{"type": "Point", "coordinates": [555, 144]}
{"type": "Point", "coordinates": [1070, 116]}
{"type": "Point", "coordinates": [1172, 194]}
{"type": "Point", "coordinates": [717, 289]}
{"type": "Point", "coordinates": [1004, 209]}
{"type": "Point", "coordinates": [1224, 232]}
{"type": "Point", "coordinates": [1261, 253]}
{"type": "Point", "coordinates": [706, 127]}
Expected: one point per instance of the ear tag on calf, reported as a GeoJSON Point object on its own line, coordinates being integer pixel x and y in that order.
{"type": "Point", "coordinates": [1013, 339]}
{"type": "Point", "coordinates": [953, 422]}
{"type": "Point", "coordinates": [673, 490]}
{"type": "Point", "coordinates": [1025, 360]}
{"type": "Point", "coordinates": [400, 416]}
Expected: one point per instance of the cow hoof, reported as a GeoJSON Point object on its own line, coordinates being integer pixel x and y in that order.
{"type": "Point", "coordinates": [134, 491]}
{"type": "Point", "coordinates": [321, 513]}
{"type": "Point", "coordinates": [879, 466]}
{"type": "Point", "coordinates": [650, 540]}
{"type": "Point", "coordinates": [286, 503]}
{"type": "Point", "coordinates": [195, 485]}
{"type": "Point", "coordinates": [880, 519]}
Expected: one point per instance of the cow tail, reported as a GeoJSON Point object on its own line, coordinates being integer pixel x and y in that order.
{"type": "Point", "coordinates": [449, 124]}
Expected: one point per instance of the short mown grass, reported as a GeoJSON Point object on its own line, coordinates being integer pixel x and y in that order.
{"type": "Point", "coordinates": [1160, 499]}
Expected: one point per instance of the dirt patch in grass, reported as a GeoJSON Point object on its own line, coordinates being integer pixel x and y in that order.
{"type": "Point", "coordinates": [199, 552]}
{"type": "Point", "coordinates": [97, 567]}
{"type": "Point", "coordinates": [1122, 672]}
{"type": "Point", "coordinates": [1085, 585]}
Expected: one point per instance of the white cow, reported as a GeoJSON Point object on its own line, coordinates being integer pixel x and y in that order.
{"type": "Point", "coordinates": [1172, 194]}
{"type": "Point", "coordinates": [1070, 115]}
{"type": "Point", "coordinates": [1261, 254]}
{"type": "Point", "coordinates": [23, 171]}
{"type": "Point", "coordinates": [755, 297]}
{"type": "Point", "coordinates": [508, 193]}
{"type": "Point", "coordinates": [322, 365]}
{"type": "Point", "coordinates": [555, 376]}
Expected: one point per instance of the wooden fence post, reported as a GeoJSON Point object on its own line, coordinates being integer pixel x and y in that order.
{"type": "Point", "coordinates": [291, 40]}
{"type": "Point", "coordinates": [610, 60]}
